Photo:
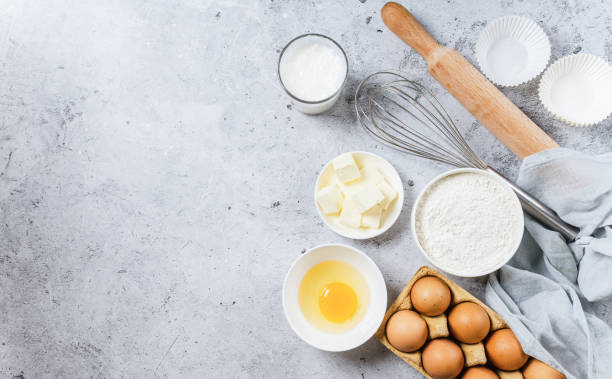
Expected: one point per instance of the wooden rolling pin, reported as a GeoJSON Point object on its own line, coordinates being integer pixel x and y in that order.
{"type": "Point", "coordinates": [478, 95]}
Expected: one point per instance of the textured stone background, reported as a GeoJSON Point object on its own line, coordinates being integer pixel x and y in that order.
{"type": "Point", "coordinates": [155, 184]}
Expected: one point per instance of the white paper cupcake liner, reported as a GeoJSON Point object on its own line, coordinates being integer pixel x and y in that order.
{"type": "Point", "coordinates": [512, 50]}
{"type": "Point", "coordinates": [577, 89]}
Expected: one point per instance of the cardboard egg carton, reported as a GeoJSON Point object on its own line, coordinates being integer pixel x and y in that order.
{"type": "Point", "coordinates": [438, 326]}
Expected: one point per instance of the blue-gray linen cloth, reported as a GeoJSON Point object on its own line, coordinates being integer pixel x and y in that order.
{"type": "Point", "coordinates": [546, 291]}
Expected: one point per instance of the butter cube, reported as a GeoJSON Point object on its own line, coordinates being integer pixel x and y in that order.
{"type": "Point", "coordinates": [330, 199]}
{"type": "Point", "coordinates": [368, 196]}
{"type": "Point", "coordinates": [388, 191]}
{"type": "Point", "coordinates": [371, 174]}
{"type": "Point", "coordinates": [371, 218]}
{"type": "Point", "coordinates": [346, 168]}
{"type": "Point", "coordinates": [350, 214]}
{"type": "Point", "coordinates": [367, 175]}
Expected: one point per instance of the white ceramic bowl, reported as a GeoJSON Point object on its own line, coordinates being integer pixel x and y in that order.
{"type": "Point", "coordinates": [440, 264]}
{"type": "Point", "coordinates": [370, 321]}
{"type": "Point", "coordinates": [577, 89]}
{"type": "Point", "coordinates": [512, 50]}
{"type": "Point", "coordinates": [389, 216]}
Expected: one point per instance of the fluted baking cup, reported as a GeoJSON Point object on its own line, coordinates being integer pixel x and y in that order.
{"type": "Point", "coordinates": [577, 89]}
{"type": "Point", "coordinates": [512, 50]}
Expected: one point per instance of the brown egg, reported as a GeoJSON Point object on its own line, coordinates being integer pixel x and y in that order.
{"type": "Point", "coordinates": [479, 372]}
{"type": "Point", "coordinates": [443, 359]}
{"type": "Point", "coordinates": [504, 350]}
{"type": "Point", "coordinates": [469, 322]}
{"type": "Point", "coordinates": [536, 369]}
{"type": "Point", "coordinates": [430, 296]}
{"type": "Point", "coordinates": [406, 331]}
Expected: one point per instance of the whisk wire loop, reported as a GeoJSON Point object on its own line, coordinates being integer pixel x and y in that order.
{"type": "Point", "coordinates": [407, 116]}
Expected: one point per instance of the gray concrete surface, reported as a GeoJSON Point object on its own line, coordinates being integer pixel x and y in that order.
{"type": "Point", "coordinates": [155, 183]}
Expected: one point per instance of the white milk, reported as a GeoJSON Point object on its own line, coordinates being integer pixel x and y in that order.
{"type": "Point", "coordinates": [312, 69]}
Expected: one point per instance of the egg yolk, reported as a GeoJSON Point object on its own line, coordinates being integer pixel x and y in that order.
{"type": "Point", "coordinates": [337, 302]}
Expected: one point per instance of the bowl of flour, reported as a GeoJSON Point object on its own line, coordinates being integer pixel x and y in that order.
{"type": "Point", "coordinates": [467, 222]}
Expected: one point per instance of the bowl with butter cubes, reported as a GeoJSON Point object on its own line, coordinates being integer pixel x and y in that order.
{"type": "Point", "coordinates": [359, 195]}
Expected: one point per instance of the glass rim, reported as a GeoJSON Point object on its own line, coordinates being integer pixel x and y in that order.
{"type": "Point", "coordinates": [280, 79]}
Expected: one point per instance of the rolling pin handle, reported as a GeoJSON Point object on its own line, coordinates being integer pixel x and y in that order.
{"type": "Point", "coordinates": [401, 22]}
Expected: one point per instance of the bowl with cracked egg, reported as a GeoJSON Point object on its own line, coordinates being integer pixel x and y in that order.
{"type": "Point", "coordinates": [334, 297]}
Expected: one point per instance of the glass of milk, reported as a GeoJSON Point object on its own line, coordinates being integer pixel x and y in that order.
{"type": "Point", "coordinates": [312, 69]}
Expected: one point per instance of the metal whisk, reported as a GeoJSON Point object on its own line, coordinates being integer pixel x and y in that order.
{"type": "Point", "coordinates": [405, 115]}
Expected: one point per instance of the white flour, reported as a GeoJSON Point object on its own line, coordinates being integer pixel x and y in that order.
{"type": "Point", "coordinates": [468, 222]}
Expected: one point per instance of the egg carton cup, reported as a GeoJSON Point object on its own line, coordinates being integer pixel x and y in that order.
{"type": "Point", "coordinates": [512, 50]}
{"type": "Point", "coordinates": [577, 89]}
{"type": "Point", "coordinates": [437, 326]}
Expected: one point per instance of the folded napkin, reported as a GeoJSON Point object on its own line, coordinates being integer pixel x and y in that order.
{"type": "Point", "coordinates": [545, 292]}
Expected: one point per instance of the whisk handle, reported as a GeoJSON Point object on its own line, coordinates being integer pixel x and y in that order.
{"type": "Point", "coordinates": [401, 22]}
{"type": "Point", "coordinates": [540, 211]}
